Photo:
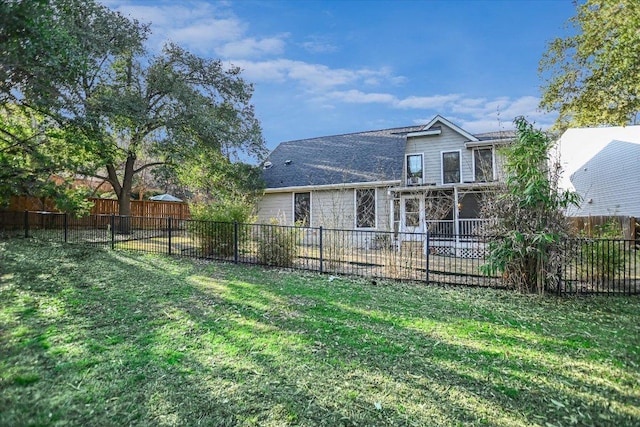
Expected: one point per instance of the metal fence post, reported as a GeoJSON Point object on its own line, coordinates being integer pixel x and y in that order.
{"type": "Point", "coordinates": [26, 224]}
{"type": "Point", "coordinates": [169, 231]}
{"type": "Point", "coordinates": [113, 231]}
{"type": "Point", "coordinates": [426, 253]}
{"type": "Point", "coordinates": [321, 254]}
{"type": "Point", "coordinates": [66, 225]}
{"type": "Point", "coordinates": [560, 265]}
{"type": "Point", "coordinates": [235, 242]}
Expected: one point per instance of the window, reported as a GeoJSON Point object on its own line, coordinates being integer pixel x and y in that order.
{"type": "Point", "coordinates": [450, 167]}
{"type": "Point", "coordinates": [412, 213]}
{"type": "Point", "coordinates": [414, 169]}
{"type": "Point", "coordinates": [302, 209]}
{"type": "Point", "coordinates": [366, 208]}
{"type": "Point", "coordinates": [483, 164]}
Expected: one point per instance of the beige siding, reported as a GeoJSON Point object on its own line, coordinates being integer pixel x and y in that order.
{"type": "Point", "coordinates": [383, 209]}
{"type": "Point", "coordinates": [329, 208]}
{"type": "Point", "coordinates": [275, 205]}
{"type": "Point", "coordinates": [333, 208]}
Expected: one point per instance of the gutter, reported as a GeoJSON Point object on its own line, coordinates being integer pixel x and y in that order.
{"type": "Point", "coordinates": [342, 186]}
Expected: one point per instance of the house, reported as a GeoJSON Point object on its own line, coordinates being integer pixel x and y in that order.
{"type": "Point", "coordinates": [603, 166]}
{"type": "Point", "coordinates": [405, 180]}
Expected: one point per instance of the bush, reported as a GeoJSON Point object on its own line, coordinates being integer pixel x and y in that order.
{"type": "Point", "coordinates": [604, 257]}
{"type": "Point", "coordinates": [278, 244]}
{"type": "Point", "coordinates": [214, 226]}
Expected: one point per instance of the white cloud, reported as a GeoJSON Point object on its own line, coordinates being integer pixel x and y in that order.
{"type": "Point", "coordinates": [250, 47]}
{"type": "Point", "coordinates": [318, 45]}
{"type": "Point", "coordinates": [202, 27]}
{"type": "Point", "coordinates": [313, 78]}
{"type": "Point", "coordinates": [357, 97]}
{"type": "Point", "coordinates": [426, 102]}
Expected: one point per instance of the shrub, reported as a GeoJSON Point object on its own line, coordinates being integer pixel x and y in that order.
{"type": "Point", "coordinates": [528, 210]}
{"type": "Point", "coordinates": [603, 257]}
{"type": "Point", "coordinates": [214, 225]}
{"type": "Point", "coordinates": [278, 244]}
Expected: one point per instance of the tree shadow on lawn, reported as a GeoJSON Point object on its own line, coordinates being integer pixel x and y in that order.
{"type": "Point", "coordinates": [518, 378]}
{"type": "Point", "coordinates": [118, 354]}
{"type": "Point", "coordinates": [184, 347]}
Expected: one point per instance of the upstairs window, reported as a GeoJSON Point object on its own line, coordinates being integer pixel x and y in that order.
{"type": "Point", "coordinates": [366, 208]}
{"type": "Point", "coordinates": [483, 164]}
{"type": "Point", "coordinates": [302, 209]}
{"type": "Point", "coordinates": [451, 167]}
{"type": "Point", "coordinates": [415, 170]}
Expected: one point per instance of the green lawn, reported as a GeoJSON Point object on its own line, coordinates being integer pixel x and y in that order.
{"type": "Point", "coordinates": [99, 337]}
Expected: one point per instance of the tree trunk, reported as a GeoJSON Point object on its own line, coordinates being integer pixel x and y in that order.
{"type": "Point", "coordinates": [124, 210]}
{"type": "Point", "coordinates": [124, 193]}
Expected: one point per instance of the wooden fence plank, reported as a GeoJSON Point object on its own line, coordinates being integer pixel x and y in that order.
{"type": "Point", "coordinates": [143, 208]}
{"type": "Point", "coordinates": [588, 225]}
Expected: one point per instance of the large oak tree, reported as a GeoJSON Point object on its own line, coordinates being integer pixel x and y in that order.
{"type": "Point", "coordinates": [84, 66]}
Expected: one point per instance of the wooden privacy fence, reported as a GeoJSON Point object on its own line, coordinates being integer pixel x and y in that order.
{"type": "Point", "coordinates": [143, 208]}
{"type": "Point", "coordinates": [590, 224]}
{"type": "Point", "coordinates": [139, 208]}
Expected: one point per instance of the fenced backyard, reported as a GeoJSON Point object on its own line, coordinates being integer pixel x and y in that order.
{"type": "Point", "coordinates": [591, 266]}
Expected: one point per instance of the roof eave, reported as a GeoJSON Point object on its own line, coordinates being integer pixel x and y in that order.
{"type": "Point", "coordinates": [340, 186]}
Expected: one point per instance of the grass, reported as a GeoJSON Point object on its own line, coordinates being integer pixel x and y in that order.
{"type": "Point", "coordinates": [98, 337]}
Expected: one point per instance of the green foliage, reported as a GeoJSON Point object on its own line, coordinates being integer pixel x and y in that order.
{"type": "Point", "coordinates": [36, 158]}
{"type": "Point", "coordinates": [84, 66]}
{"type": "Point", "coordinates": [278, 244]}
{"type": "Point", "coordinates": [188, 114]}
{"type": "Point", "coordinates": [530, 222]}
{"type": "Point", "coordinates": [211, 176]}
{"type": "Point", "coordinates": [592, 77]}
{"type": "Point", "coordinates": [214, 225]}
{"type": "Point", "coordinates": [603, 258]}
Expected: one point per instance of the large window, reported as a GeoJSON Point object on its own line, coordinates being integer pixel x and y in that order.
{"type": "Point", "coordinates": [450, 167]}
{"type": "Point", "coordinates": [412, 212]}
{"type": "Point", "coordinates": [414, 169]}
{"type": "Point", "coordinates": [302, 209]}
{"type": "Point", "coordinates": [366, 208]}
{"type": "Point", "coordinates": [483, 164]}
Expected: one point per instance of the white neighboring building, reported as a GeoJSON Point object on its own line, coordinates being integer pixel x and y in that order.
{"type": "Point", "coordinates": [603, 166]}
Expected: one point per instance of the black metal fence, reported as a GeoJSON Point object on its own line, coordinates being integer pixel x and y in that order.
{"type": "Point", "coordinates": [610, 266]}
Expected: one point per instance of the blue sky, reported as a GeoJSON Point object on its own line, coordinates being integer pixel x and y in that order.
{"type": "Point", "coordinates": [331, 67]}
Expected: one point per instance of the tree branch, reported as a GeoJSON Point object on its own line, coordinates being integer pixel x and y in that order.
{"type": "Point", "coordinates": [148, 165]}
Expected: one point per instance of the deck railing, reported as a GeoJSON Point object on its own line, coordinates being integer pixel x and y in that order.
{"type": "Point", "coordinates": [467, 227]}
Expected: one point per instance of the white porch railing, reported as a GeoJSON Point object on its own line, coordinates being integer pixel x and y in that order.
{"type": "Point", "coordinates": [465, 227]}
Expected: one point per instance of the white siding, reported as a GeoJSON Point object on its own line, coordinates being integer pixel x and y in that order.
{"type": "Point", "coordinates": [448, 140]}
{"type": "Point", "coordinates": [433, 146]}
{"type": "Point", "coordinates": [608, 183]}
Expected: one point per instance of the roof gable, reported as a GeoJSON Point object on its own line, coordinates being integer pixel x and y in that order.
{"type": "Point", "coordinates": [450, 125]}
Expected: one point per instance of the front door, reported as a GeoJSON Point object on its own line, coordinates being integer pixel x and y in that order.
{"type": "Point", "coordinates": [412, 216]}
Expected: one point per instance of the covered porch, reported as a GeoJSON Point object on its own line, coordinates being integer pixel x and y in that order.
{"type": "Point", "coordinates": [451, 215]}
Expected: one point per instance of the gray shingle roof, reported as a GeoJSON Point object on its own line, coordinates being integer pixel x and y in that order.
{"type": "Point", "coordinates": [340, 159]}
{"type": "Point", "coordinates": [343, 159]}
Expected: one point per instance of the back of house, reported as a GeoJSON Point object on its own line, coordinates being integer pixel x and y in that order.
{"type": "Point", "coordinates": [407, 179]}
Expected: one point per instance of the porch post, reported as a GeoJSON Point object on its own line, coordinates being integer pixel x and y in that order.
{"type": "Point", "coordinates": [392, 224]}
